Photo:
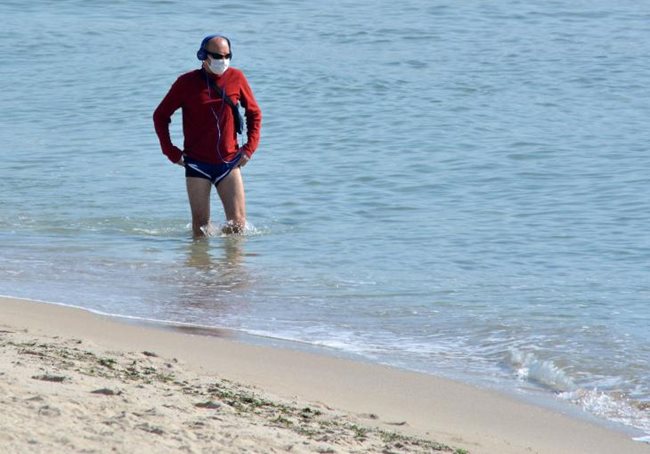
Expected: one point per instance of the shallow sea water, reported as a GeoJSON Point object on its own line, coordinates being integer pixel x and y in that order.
{"type": "Point", "coordinates": [456, 189]}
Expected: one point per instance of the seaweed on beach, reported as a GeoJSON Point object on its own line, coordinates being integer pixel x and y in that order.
{"type": "Point", "coordinates": [203, 401]}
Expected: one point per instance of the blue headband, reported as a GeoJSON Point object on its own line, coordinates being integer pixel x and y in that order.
{"type": "Point", "coordinates": [201, 54]}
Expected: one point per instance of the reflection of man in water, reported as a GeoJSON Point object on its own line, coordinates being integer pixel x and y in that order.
{"type": "Point", "coordinates": [208, 98]}
{"type": "Point", "coordinates": [216, 276]}
{"type": "Point", "coordinates": [200, 257]}
{"type": "Point", "coordinates": [211, 285]}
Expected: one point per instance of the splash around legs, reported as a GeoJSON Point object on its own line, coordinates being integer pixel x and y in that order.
{"type": "Point", "coordinates": [231, 193]}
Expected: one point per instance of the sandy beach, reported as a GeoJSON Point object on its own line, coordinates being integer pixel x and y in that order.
{"type": "Point", "coordinates": [73, 381]}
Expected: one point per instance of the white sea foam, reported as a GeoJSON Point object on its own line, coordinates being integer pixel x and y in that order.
{"type": "Point", "coordinates": [210, 230]}
{"type": "Point", "coordinates": [530, 368]}
{"type": "Point", "coordinates": [615, 407]}
{"type": "Point", "coordinates": [344, 342]}
{"type": "Point", "coordinates": [612, 406]}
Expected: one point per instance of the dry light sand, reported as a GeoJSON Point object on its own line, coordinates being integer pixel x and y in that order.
{"type": "Point", "coordinates": [72, 381]}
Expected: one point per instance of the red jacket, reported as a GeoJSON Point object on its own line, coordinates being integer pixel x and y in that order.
{"type": "Point", "coordinates": [208, 123]}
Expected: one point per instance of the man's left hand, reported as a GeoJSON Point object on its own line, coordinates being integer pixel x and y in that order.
{"type": "Point", "coordinates": [243, 160]}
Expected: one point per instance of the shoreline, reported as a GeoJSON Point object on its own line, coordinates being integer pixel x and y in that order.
{"type": "Point", "coordinates": [377, 397]}
{"type": "Point", "coordinates": [533, 396]}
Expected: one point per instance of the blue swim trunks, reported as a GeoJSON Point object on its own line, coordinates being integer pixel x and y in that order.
{"type": "Point", "coordinates": [213, 172]}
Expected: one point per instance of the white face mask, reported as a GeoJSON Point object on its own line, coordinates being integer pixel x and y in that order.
{"type": "Point", "coordinates": [219, 66]}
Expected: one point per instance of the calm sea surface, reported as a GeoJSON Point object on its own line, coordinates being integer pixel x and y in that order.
{"type": "Point", "coordinates": [461, 190]}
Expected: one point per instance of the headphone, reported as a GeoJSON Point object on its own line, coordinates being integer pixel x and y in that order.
{"type": "Point", "coordinates": [201, 54]}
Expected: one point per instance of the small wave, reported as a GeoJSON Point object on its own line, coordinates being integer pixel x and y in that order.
{"type": "Point", "coordinates": [614, 407]}
{"type": "Point", "coordinates": [156, 231]}
{"type": "Point", "coordinates": [345, 343]}
{"type": "Point", "coordinates": [530, 368]}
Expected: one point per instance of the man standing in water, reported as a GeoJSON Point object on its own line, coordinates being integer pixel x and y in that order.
{"type": "Point", "coordinates": [208, 98]}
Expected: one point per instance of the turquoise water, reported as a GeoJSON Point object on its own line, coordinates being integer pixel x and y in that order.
{"type": "Point", "coordinates": [460, 190]}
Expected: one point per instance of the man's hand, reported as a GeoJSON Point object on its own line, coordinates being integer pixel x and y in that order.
{"type": "Point", "coordinates": [181, 162]}
{"type": "Point", "coordinates": [243, 160]}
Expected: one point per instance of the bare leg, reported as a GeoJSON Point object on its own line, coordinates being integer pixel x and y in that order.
{"type": "Point", "coordinates": [231, 192]}
{"type": "Point", "coordinates": [198, 192]}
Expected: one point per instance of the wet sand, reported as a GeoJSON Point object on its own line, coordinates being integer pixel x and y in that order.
{"type": "Point", "coordinates": [74, 381]}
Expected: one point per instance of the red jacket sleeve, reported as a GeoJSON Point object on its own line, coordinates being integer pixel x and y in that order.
{"type": "Point", "coordinates": [253, 117]}
{"type": "Point", "coordinates": [162, 116]}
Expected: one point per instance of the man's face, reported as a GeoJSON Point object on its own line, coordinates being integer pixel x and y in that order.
{"type": "Point", "coordinates": [218, 58]}
{"type": "Point", "coordinates": [219, 47]}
